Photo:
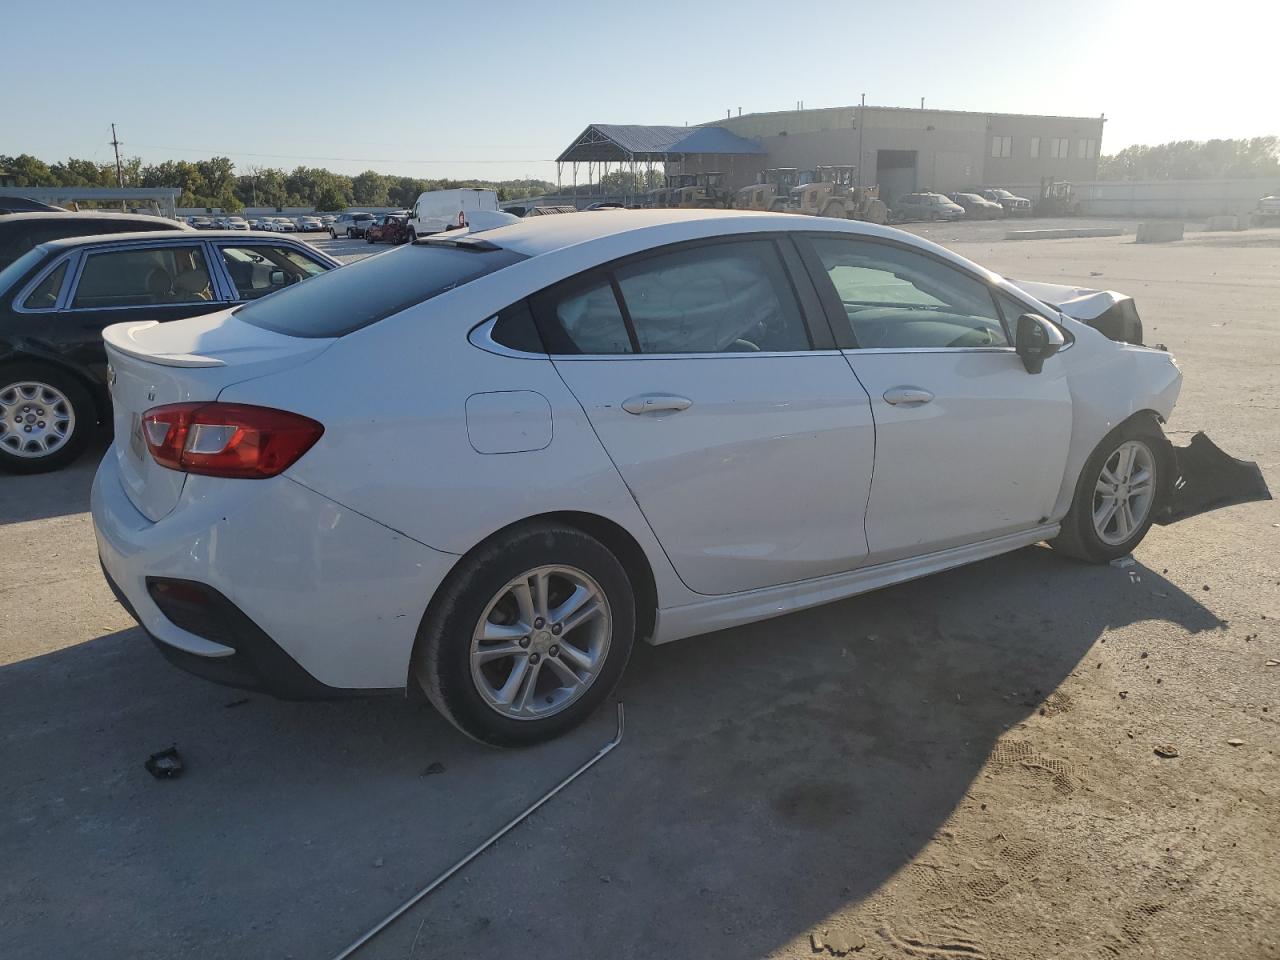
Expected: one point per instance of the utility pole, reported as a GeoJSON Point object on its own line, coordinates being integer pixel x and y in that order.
{"type": "Point", "coordinates": [115, 142]}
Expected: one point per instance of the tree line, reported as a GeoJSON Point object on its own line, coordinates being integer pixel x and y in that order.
{"type": "Point", "coordinates": [216, 182]}
{"type": "Point", "coordinates": [1195, 160]}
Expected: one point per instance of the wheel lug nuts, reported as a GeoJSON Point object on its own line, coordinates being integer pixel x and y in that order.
{"type": "Point", "coordinates": [556, 628]}
{"type": "Point", "coordinates": [40, 424]}
{"type": "Point", "coordinates": [524, 641]}
{"type": "Point", "coordinates": [555, 650]}
{"type": "Point", "coordinates": [539, 623]}
{"type": "Point", "coordinates": [534, 658]}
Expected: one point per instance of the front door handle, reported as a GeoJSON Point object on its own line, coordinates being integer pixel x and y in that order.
{"type": "Point", "coordinates": [907, 395]}
{"type": "Point", "coordinates": [656, 403]}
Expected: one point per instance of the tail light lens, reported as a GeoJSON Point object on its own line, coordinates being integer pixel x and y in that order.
{"type": "Point", "coordinates": [227, 439]}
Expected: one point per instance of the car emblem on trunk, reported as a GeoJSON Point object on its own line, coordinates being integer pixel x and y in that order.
{"type": "Point", "coordinates": [151, 394]}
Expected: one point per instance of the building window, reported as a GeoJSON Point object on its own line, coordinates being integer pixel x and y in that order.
{"type": "Point", "coordinates": [1002, 146]}
{"type": "Point", "coordinates": [1087, 149]}
{"type": "Point", "coordinates": [1035, 147]}
{"type": "Point", "coordinates": [1059, 148]}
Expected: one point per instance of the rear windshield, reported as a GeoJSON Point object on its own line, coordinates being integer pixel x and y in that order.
{"type": "Point", "coordinates": [362, 293]}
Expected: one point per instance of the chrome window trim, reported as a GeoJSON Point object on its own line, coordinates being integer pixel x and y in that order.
{"type": "Point", "coordinates": [87, 252]}
{"type": "Point", "coordinates": [992, 349]}
{"type": "Point", "coordinates": [19, 301]}
{"type": "Point", "coordinates": [727, 355]}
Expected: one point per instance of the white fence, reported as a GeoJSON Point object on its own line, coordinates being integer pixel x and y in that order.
{"type": "Point", "coordinates": [1164, 198]}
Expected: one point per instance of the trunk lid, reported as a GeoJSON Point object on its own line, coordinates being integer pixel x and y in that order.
{"type": "Point", "coordinates": [151, 363]}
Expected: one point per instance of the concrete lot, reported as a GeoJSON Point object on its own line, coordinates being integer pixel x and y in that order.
{"type": "Point", "coordinates": [960, 767]}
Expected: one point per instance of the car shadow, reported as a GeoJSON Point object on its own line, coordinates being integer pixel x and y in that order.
{"type": "Point", "coordinates": [36, 496]}
{"type": "Point", "coordinates": [770, 775]}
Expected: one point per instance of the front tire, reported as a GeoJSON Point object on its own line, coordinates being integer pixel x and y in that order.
{"type": "Point", "coordinates": [351, 234]}
{"type": "Point", "coordinates": [46, 417]}
{"type": "Point", "coordinates": [1117, 494]}
{"type": "Point", "coordinates": [529, 634]}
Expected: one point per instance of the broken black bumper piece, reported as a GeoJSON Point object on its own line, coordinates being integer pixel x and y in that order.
{"type": "Point", "coordinates": [1208, 478]}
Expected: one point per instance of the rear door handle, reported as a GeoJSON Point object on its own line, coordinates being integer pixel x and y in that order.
{"type": "Point", "coordinates": [907, 395]}
{"type": "Point", "coordinates": [656, 403]}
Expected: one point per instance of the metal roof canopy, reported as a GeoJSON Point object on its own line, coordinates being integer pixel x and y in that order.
{"type": "Point", "coordinates": [636, 143]}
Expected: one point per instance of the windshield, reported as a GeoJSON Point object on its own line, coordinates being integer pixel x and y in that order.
{"type": "Point", "coordinates": [348, 298]}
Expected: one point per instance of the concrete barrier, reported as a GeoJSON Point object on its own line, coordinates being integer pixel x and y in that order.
{"type": "Point", "coordinates": [1159, 231]}
{"type": "Point", "coordinates": [1227, 223]}
{"type": "Point", "coordinates": [1063, 233]}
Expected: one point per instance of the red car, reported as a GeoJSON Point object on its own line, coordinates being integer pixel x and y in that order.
{"type": "Point", "coordinates": [388, 228]}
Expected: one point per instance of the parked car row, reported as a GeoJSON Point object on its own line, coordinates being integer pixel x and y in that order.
{"type": "Point", "coordinates": [979, 203]}
{"type": "Point", "coordinates": [301, 224]}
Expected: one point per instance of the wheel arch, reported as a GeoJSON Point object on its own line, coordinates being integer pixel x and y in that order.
{"type": "Point", "coordinates": [616, 538]}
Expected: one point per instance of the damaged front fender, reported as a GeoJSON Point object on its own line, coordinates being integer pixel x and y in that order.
{"type": "Point", "coordinates": [1206, 478]}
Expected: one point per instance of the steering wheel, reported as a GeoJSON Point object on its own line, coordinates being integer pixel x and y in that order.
{"type": "Point", "coordinates": [965, 339]}
{"type": "Point", "coordinates": [743, 346]}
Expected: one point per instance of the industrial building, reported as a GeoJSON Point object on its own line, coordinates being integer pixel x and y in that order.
{"type": "Point", "coordinates": [901, 149]}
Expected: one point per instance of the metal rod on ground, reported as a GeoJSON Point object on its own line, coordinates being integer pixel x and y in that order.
{"type": "Point", "coordinates": [417, 897]}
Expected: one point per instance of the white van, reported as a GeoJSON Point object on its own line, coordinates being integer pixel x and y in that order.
{"type": "Point", "coordinates": [440, 210]}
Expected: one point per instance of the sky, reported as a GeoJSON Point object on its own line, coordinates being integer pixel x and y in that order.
{"type": "Point", "coordinates": [498, 89]}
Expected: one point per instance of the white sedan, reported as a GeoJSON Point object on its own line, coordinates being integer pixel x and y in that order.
{"type": "Point", "coordinates": [486, 463]}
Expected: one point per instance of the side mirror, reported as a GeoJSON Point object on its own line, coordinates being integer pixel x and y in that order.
{"type": "Point", "coordinates": [1036, 340]}
{"type": "Point", "coordinates": [278, 278]}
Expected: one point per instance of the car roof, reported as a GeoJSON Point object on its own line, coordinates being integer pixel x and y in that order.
{"type": "Point", "coordinates": [192, 236]}
{"type": "Point", "coordinates": [539, 235]}
{"type": "Point", "coordinates": [52, 216]}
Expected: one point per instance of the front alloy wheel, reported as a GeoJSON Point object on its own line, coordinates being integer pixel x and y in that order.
{"type": "Point", "coordinates": [1124, 492]}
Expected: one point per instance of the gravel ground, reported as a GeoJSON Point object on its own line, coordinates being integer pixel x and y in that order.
{"type": "Point", "coordinates": [960, 767]}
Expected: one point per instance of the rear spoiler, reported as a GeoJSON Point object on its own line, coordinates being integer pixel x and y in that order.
{"type": "Point", "coordinates": [124, 338]}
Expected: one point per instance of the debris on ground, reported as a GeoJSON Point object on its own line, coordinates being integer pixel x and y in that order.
{"type": "Point", "coordinates": [1272, 663]}
{"type": "Point", "coordinates": [1166, 751]}
{"type": "Point", "coordinates": [235, 703]}
{"type": "Point", "coordinates": [1235, 742]}
{"type": "Point", "coordinates": [433, 769]}
{"type": "Point", "coordinates": [837, 944]}
{"type": "Point", "coordinates": [166, 764]}
{"type": "Point", "coordinates": [378, 862]}
{"type": "Point", "coordinates": [1125, 561]}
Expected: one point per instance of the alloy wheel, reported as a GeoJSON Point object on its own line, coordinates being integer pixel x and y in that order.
{"type": "Point", "coordinates": [1124, 492]}
{"type": "Point", "coordinates": [36, 419]}
{"type": "Point", "coordinates": [541, 642]}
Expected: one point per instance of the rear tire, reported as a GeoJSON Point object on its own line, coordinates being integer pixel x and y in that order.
{"type": "Point", "coordinates": [351, 234]}
{"type": "Point", "coordinates": [47, 407]}
{"type": "Point", "coordinates": [479, 633]}
{"type": "Point", "coordinates": [413, 236]}
{"type": "Point", "coordinates": [1091, 533]}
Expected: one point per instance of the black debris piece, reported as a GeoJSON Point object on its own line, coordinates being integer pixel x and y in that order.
{"type": "Point", "coordinates": [166, 764]}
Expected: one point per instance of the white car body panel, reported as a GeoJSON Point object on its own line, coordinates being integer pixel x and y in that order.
{"type": "Point", "coordinates": [728, 485]}
{"type": "Point", "coordinates": [983, 458]}
{"type": "Point", "coordinates": [422, 468]}
{"type": "Point", "coordinates": [310, 571]}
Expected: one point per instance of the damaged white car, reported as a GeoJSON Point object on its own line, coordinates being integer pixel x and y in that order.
{"type": "Point", "coordinates": [487, 464]}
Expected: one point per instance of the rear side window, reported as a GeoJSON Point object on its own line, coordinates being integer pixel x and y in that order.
{"type": "Point", "coordinates": [143, 277]}
{"type": "Point", "coordinates": [360, 294]}
{"type": "Point", "coordinates": [45, 296]}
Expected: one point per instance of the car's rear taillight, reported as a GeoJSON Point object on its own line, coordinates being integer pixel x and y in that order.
{"type": "Point", "coordinates": [227, 439]}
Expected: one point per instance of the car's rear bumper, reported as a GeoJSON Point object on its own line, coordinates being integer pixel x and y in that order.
{"type": "Point", "coordinates": [293, 579]}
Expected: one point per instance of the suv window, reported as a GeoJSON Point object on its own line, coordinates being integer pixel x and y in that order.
{"type": "Point", "coordinates": [258, 269]}
{"type": "Point", "coordinates": [898, 299]}
{"type": "Point", "coordinates": [143, 277]}
{"type": "Point", "coordinates": [362, 293]}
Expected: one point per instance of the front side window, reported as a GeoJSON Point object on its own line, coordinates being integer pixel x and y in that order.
{"type": "Point", "coordinates": [45, 295]}
{"type": "Point", "coordinates": [259, 269]}
{"type": "Point", "coordinates": [897, 299]}
{"type": "Point", "coordinates": [720, 298]}
{"type": "Point", "coordinates": [143, 277]}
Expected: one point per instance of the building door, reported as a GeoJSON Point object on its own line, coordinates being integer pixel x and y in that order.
{"type": "Point", "coordinates": [895, 173]}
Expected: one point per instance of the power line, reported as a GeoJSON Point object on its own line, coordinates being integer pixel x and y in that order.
{"type": "Point", "coordinates": [302, 156]}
